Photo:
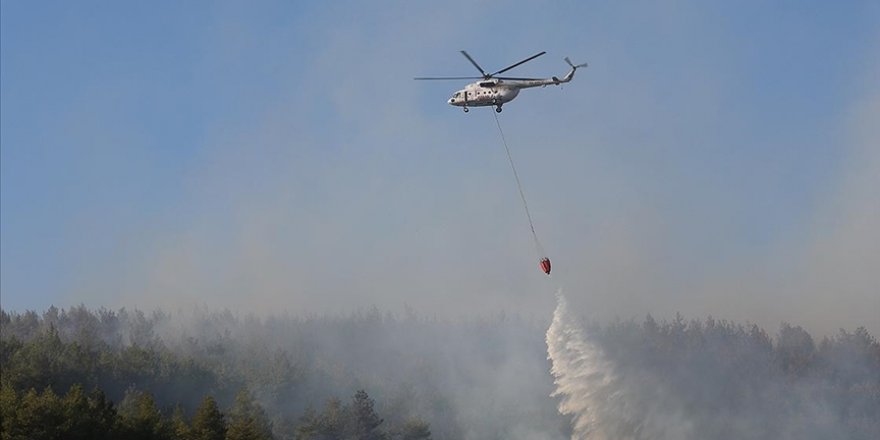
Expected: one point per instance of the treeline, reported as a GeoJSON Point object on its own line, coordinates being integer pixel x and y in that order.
{"type": "Point", "coordinates": [726, 380]}
{"type": "Point", "coordinates": [474, 378]}
{"type": "Point", "coordinates": [462, 378]}
{"type": "Point", "coordinates": [41, 357]}
{"type": "Point", "coordinates": [142, 389]}
{"type": "Point", "coordinates": [78, 415]}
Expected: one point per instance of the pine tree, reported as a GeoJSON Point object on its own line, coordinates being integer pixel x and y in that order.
{"type": "Point", "coordinates": [141, 418]}
{"type": "Point", "coordinates": [332, 424]}
{"type": "Point", "coordinates": [248, 420]}
{"type": "Point", "coordinates": [38, 416]}
{"type": "Point", "coordinates": [103, 412]}
{"type": "Point", "coordinates": [366, 421]}
{"type": "Point", "coordinates": [208, 423]}
{"type": "Point", "coordinates": [180, 430]}
{"type": "Point", "coordinates": [81, 421]}
{"type": "Point", "coordinates": [8, 405]}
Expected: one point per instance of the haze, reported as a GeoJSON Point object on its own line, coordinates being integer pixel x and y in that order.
{"type": "Point", "coordinates": [714, 159]}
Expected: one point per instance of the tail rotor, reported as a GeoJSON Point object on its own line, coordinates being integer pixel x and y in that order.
{"type": "Point", "coordinates": [574, 66]}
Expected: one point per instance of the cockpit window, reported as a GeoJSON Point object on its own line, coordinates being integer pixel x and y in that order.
{"type": "Point", "coordinates": [456, 95]}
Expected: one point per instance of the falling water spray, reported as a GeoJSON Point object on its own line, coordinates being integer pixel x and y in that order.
{"type": "Point", "coordinates": [585, 382]}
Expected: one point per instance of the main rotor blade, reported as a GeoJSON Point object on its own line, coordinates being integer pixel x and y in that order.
{"type": "Point", "coordinates": [474, 63]}
{"type": "Point", "coordinates": [447, 77]}
{"type": "Point", "coordinates": [517, 64]}
{"type": "Point", "coordinates": [517, 79]}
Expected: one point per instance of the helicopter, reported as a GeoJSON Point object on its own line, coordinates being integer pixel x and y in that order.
{"type": "Point", "coordinates": [495, 91]}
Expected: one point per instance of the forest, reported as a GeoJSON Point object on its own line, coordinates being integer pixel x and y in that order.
{"type": "Point", "coordinates": [200, 374]}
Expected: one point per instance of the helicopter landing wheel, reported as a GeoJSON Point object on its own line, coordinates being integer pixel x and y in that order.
{"type": "Point", "coordinates": [498, 109]}
{"type": "Point", "coordinates": [465, 109]}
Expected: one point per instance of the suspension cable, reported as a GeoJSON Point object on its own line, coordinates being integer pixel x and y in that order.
{"type": "Point", "coordinates": [522, 195]}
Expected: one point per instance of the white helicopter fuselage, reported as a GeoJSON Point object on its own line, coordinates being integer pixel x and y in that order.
{"type": "Point", "coordinates": [493, 90]}
{"type": "Point", "coordinates": [497, 92]}
{"type": "Point", "coordinates": [483, 94]}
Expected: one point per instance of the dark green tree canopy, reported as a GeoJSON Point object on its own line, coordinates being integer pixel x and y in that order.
{"type": "Point", "coordinates": [208, 423]}
{"type": "Point", "coordinates": [248, 420]}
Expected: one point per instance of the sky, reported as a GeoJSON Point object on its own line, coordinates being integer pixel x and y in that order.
{"type": "Point", "coordinates": [715, 158]}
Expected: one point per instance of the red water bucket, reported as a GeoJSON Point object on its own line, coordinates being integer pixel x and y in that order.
{"type": "Point", "coordinates": [545, 265]}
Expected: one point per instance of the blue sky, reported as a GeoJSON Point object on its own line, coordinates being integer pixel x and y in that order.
{"type": "Point", "coordinates": [715, 158]}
